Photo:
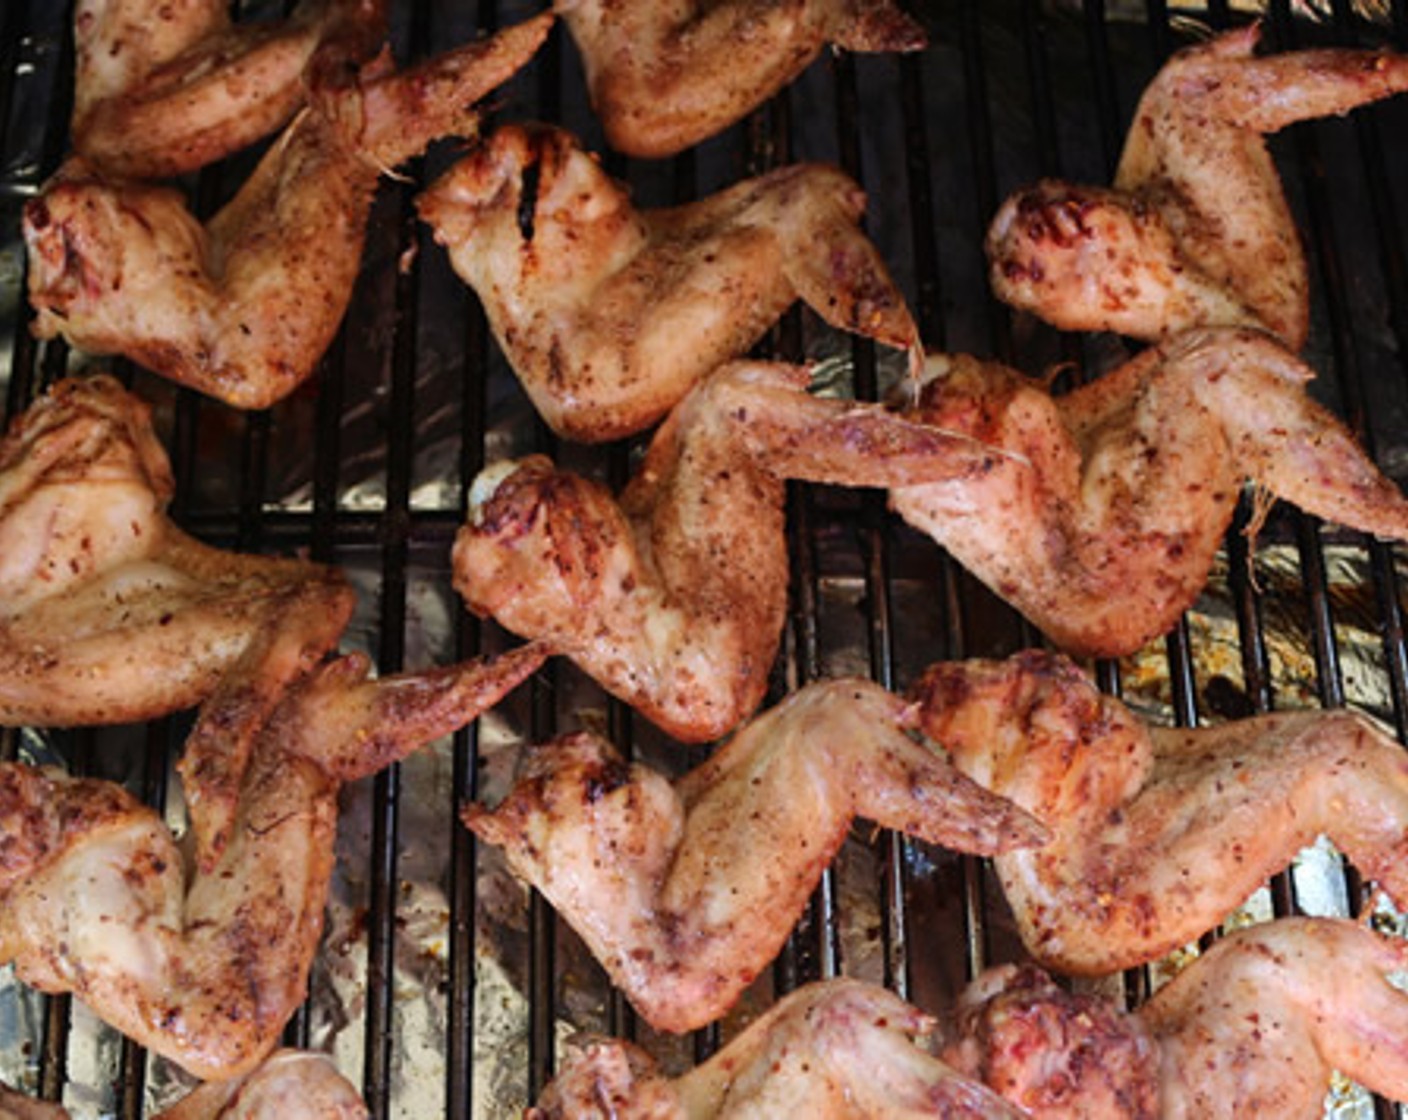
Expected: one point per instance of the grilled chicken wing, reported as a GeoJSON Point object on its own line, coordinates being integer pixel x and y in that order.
{"type": "Point", "coordinates": [685, 892]}
{"type": "Point", "coordinates": [206, 969]}
{"type": "Point", "coordinates": [610, 314]}
{"type": "Point", "coordinates": [1196, 229]}
{"type": "Point", "coordinates": [834, 1050]}
{"type": "Point", "coordinates": [110, 613]}
{"type": "Point", "coordinates": [1252, 1028]}
{"type": "Point", "coordinates": [1102, 523]}
{"type": "Point", "coordinates": [164, 88]}
{"type": "Point", "coordinates": [674, 599]}
{"type": "Point", "coordinates": [288, 1083]}
{"type": "Point", "coordinates": [243, 307]}
{"type": "Point", "coordinates": [18, 1106]}
{"type": "Point", "coordinates": [664, 76]}
{"type": "Point", "coordinates": [1157, 833]}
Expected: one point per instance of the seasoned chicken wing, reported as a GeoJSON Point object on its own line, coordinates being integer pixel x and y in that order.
{"type": "Point", "coordinates": [206, 968]}
{"type": "Point", "coordinates": [287, 1084]}
{"type": "Point", "coordinates": [164, 88]}
{"type": "Point", "coordinates": [1102, 523]}
{"type": "Point", "coordinates": [1158, 833]}
{"type": "Point", "coordinates": [664, 76]}
{"type": "Point", "coordinates": [1252, 1028]}
{"type": "Point", "coordinates": [18, 1106]}
{"type": "Point", "coordinates": [109, 612]}
{"type": "Point", "coordinates": [674, 599]}
{"type": "Point", "coordinates": [684, 893]}
{"type": "Point", "coordinates": [833, 1050]}
{"type": "Point", "coordinates": [1196, 230]}
{"type": "Point", "coordinates": [243, 307]}
{"type": "Point", "coordinates": [610, 314]}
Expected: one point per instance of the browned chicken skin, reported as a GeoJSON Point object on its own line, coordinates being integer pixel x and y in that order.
{"type": "Point", "coordinates": [1253, 1027]}
{"type": "Point", "coordinates": [163, 88]}
{"type": "Point", "coordinates": [109, 613]}
{"type": "Point", "coordinates": [684, 893]}
{"type": "Point", "coordinates": [1158, 833]}
{"type": "Point", "coordinates": [674, 599]}
{"type": "Point", "coordinates": [835, 1050]}
{"type": "Point", "coordinates": [1196, 230]}
{"type": "Point", "coordinates": [1102, 522]}
{"type": "Point", "coordinates": [610, 314]}
{"type": "Point", "coordinates": [665, 75]}
{"type": "Point", "coordinates": [206, 968]}
{"type": "Point", "coordinates": [243, 307]}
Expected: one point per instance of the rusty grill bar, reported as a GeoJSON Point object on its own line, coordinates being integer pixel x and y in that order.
{"type": "Point", "coordinates": [370, 468]}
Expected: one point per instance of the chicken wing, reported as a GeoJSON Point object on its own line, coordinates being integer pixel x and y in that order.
{"type": "Point", "coordinates": [206, 969]}
{"type": "Point", "coordinates": [288, 1083]}
{"type": "Point", "coordinates": [164, 88]}
{"type": "Point", "coordinates": [1196, 230]}
{"type": "Point", "coordinates": [1102, 523]}
{"type": "Point", "coordinates": [1252, 1028]}
{"type": "Point", "coordinates": [18, 1106]}
{"type": "Point", "coordinates": [1158, 833]}
{"type": "Point", "coordinates": [243, 307]}
{"type": "Point", "coordinates": [833, 1050]}
{"type": "Point", "coordinates": [610, 314]}
{"type": "Point", "coordinates": [663, 76]}
{"type": "Point", "coordinates": [110, 613]}
{"type": "Point", "coordinates": [674, 599]}
{"type": "Point", "coordinates": [684, 893]}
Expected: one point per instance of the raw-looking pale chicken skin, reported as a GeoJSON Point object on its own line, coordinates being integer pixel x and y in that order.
{"type": "Point", "coordinates": [1158, 833]}
{"type": "Point", "coordinates": [610, 314]}
{"type": "Point", "coordinates": [1253, 1027]}
{"type": "Point", "coordinates": [1196, 230]}
{"type": "Point", "coordinates": [674, 598]}
{"type": "Point", "coordinates": [243, 307]}
{"type": "Point", "coordinates": [1102, 521]}
{"type": "Point", "coordinates": [833, 1050]}
{"type": "Point", "coordinates": [685, 892]}
{"type": "Point", "coordinates": [162, 88]}
{"type": "Point", "coordinates": [109, 613]}
{"type": "Point", "coordinates": [666, 74]}
{"type": "Point", "coordinates": [206, 968]}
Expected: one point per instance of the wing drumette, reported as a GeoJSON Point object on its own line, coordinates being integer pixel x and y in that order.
{"type": "Point", "coordinates": [1196, 230]}
{"type": "Point", "coordinates": [684, 893]}
{"type": "Point", "coordinates": [1102, 522]}
{"type": "Point", "coordinates": [664, 76]}
{"type": "Point", "coordinates": [110, 613]}
{"type": "Point", "coordinates": [610, 314]}
{"type": "Point", "coordinates": [674, 599]}
{"type": "Point", "coordinates": [243, 307]}
{"type": "Point", "coordinates": [206, 968]}
{"type": "Point", "coordinates": [1158, 833]}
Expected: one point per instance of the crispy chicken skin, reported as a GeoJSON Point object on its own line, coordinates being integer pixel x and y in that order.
{"type": "Point", "coordinates": [1253, 1027]}
{"type": "Point", "coordinates": [663, 76]}
{"type": "Point", "coordinates": [1196, 229]}
{"type": "Point", "coordinates": [1102, 523]}
{"type": "Point", "coordinates": [206, 968]}
{"type": "Point", "coordinates": [110, 613]}
{"type": "Point", "coordinates": [674, 598]}
{"type": "Point", "coordinates": [610, 314]}
{"type": "Point", "coordinates": [1158, 833]}
{"type": "Point", "coordinates": [164, 88]}
{"type": "Point", "coordinates": [243, 307]}
{"type": "Point", "coordinates": [685, 893]}
{"type": "Point", "coordinates": [834, 1050]}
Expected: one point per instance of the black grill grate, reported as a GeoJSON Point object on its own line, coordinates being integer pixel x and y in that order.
{"type": "Point", "coordinates": [369, 469]}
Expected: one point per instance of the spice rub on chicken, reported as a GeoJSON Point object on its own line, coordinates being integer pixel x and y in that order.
{"type": "Point", "coordinates": [1196, 230]}
{"type": "Point", "coordinates": [685, 892]}
{"type": "Point", "coordinates": [1157, 833]}
{"type": "Point", "coordinates": [110, 613]}
{"type": "Point", "coordinates": [243, 307]}
{"type": "Point", "coordinates": [609, 314]}
{"type": "Point", "coordinates": [673, 598]}
{"type": "Point", "coordinates": [1102, 522]}
{"type": "Point", "coordinates": [206, 967]}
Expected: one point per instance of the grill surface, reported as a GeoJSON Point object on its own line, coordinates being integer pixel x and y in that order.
{"type": "Point", "coordinates": [441, 987]}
